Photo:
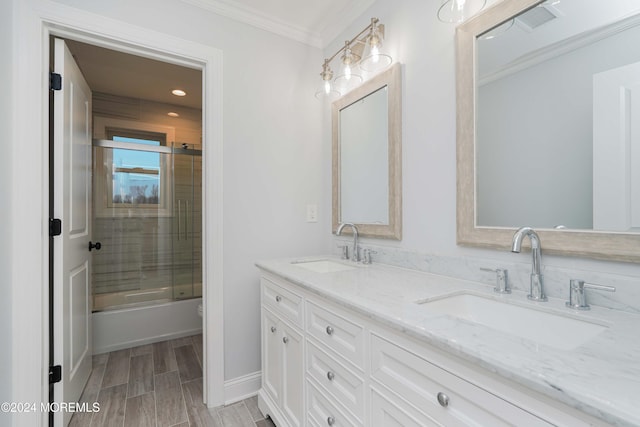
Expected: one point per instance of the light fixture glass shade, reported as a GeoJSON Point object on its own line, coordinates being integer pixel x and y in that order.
{"type": "Point", "coordinates": [344, 85]}
{"type": "Point", "coordinates": [326, 90]}
{"type": "Point", "coordinates": [348, 77]}
{"type": "Point", "coordinates": [374, 59]}
{"type": "Point", "coordinates": [455, 11]}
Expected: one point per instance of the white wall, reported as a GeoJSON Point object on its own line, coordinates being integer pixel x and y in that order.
{"type": "Point", "coordinates": [273, 152]}
{"type": "Point", "coordinates": [425, 46]}
{"type": "Point", "coordinates": [272, 147]}
{"type": "Point", "coordinates": [6, 47]}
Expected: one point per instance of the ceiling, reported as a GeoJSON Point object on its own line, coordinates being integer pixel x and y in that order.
{"type": "Point", "coordinates": [311, 22]}
{"type": "Point", "coordinates": [116, 73]}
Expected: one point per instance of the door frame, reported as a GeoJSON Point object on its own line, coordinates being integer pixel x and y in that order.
{"type": "Point", "coordinates": [30, 280]}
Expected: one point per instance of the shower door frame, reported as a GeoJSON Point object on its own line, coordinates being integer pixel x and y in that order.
{"type": "Point", "coordinates": [30, 346]}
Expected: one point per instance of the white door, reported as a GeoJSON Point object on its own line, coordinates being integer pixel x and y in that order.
{"type": "Point", "coordinates": [72, 204]}
{"type": "Point", "coordinates": [616, 149]}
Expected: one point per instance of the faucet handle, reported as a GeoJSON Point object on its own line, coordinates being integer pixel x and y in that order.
{"type": "Point", "coordinates": [577, 296]}
{"type": "Point", "coordinates": [345, 251]}
{"type": "Point", "coordinates": [502, 280]}
{"type": "Point", "coordinates": [366, 259]}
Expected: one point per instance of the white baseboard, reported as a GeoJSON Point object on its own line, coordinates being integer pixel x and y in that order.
{"type": "Point", "coordinates": [242, 387]}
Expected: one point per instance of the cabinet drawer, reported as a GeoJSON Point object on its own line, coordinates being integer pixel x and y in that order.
{"type": "Point", "coordinates": [281, 301]}
{"type": "Point", "coordinates": [341, 383]}
{"type": "Point", "coordinates": [323, 412]}
{"type": "Point", "coordinates": [336, 332]}
{"type": "Point", "coordinates": [388, 411]}
{"type": "Point", "coordinates": [420, 383]}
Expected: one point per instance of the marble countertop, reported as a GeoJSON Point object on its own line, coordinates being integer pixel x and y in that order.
{"type": "Point", "coordinates": [601, 377]}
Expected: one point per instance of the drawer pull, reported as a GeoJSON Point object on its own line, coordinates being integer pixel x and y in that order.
{"type": "Point", "coordinates": [285, 340]}
{"type": "Point", "coordinates": [331, 421]}
{"type": "Point", "coordinates": [329, 330]}
{"type": "Point", "coordinates": [278, 298]}
{"type": "Point", "coordinates": [330, 376]}
{"type": "Point", "coordinates": [443, 399]}
{"type": "Point", "coordinates": [273, 329]}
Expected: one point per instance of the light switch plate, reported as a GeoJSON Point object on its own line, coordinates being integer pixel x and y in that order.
{"type": "Point", "coordinates": [312, 213]}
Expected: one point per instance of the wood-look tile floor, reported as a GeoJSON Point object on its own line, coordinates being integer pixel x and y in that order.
{"type": "Point", "coordinates": [160, 385]}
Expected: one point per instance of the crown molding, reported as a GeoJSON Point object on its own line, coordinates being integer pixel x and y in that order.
{"type": "Point", "coordinates": [256, 18]}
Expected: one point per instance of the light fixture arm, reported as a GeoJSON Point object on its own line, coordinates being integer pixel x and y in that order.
{"type": "Point", "coordinates": [366, 41]}
{"type": "Point", "coordinates": [356, 39]}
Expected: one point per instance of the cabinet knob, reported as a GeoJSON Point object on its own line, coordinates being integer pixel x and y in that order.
{"type": "Point", "coordinates": [443, 399]}
{"type": "Point", "coordinates": [278, 298]}
{"type": "Point", "coordinates": [330, 376]}
{"type": "Point", "coordinates": [273, 329]}
{"type": "Point", "coordinates": [331, 421]}
{"type": "Point", "coordinates": [329, 330]}
{"type": "Point", "coordinates": [285, 340]}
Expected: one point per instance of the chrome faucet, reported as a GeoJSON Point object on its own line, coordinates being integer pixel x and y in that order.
{"type": "Point", "coordinates": [536, 292]}
{"type": "Point", "coordinates": [356, 255]}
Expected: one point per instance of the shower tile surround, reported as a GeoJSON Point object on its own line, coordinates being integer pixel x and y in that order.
{"type": "Point", "coordinates": [556, 280]}
{"type": "Point", "coordinates": [598, 378]}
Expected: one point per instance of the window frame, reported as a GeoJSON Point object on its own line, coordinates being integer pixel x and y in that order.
{"type": "Point", "coordinates": [105, 128]}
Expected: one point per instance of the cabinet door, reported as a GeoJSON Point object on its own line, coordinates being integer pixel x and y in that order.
{"type": "Point", "coordinates": [388, 411]}
{"type": "Point", "coordinates": [271, 355]}
{"type": "Point", "coordinates": [292, 374]}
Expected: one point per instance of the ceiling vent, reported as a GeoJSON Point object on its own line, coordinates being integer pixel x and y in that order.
{"type": "Point", "coordinates": [537, 16]}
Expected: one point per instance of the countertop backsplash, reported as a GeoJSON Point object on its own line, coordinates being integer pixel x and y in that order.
{"type": "Point", "coordinates": [556, 279]}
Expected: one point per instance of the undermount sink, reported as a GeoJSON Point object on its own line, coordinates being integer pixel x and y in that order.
{"type": "Point", "coordinates": [323, 266]}
{"type": "Point", "coordinates": [539, 326]}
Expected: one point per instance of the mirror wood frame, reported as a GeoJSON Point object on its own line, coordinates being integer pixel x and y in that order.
{"type": "Point", "coordinates": [615, 246]}
{"type": "Point", "coordinates": [392, 78]}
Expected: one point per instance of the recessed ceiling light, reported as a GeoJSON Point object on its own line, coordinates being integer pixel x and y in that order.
{"type": "Point", "coordinates": [179, 92]}
{"type": "Point", "coordinates": [172, 114]}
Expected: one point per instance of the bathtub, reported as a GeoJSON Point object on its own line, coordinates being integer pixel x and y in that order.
{"type": "Point", "coordinates": [137, 324]}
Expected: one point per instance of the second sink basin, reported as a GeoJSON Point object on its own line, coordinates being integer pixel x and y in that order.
{"type": "Point", "coordinates": [540, 326]}
{"type": "Point", "coordinates": [323, 266]}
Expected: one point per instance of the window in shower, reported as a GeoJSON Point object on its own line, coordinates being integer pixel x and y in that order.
{"type": "Point", "coordinates": [134, 180]}
{"type": "Point", "coordinates": [137, 175]}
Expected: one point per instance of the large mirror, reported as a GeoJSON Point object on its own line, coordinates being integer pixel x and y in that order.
{"type": "Point", "coordinates": [367, 162]}
{"type": "Point", "coordinates": [548, 96]}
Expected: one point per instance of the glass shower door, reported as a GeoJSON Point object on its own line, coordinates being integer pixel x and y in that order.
{"type": "Point", "coordinates": [132, 220]}
{"type": "Point", "coordinates": [187, 222]}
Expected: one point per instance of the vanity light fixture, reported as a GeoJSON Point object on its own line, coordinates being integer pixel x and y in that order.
{"type": "Point", "coordinates": [456, 11]}
{"type": "Point", "coordinates": [363, 52]}
{"type": "Point", "coordinates": [374, 60]}
{"type": "Point", "coordinates": [349, 77]}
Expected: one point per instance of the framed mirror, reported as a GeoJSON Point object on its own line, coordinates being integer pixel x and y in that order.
{"type": "Point", "coordinates": [367, 160]}
{"type": "Point", "coordinates": [548, 128]}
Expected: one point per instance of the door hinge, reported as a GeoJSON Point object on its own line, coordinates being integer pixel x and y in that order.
{"type": "Point", "coordinates": [55, 227]}
{"type": "Point", "coordinates": [55, 374]}
{"type": "Point", "coordinates": [55, 81]}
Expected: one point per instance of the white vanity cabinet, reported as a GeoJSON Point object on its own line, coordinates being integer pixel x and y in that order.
{"type": "Point", "coordinates": [283, 353]}
{"type": "Point", "coordinates": [341, 367]}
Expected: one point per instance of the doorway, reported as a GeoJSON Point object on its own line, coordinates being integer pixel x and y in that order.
{"type": "Point", "coordinates": [211, 216]}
